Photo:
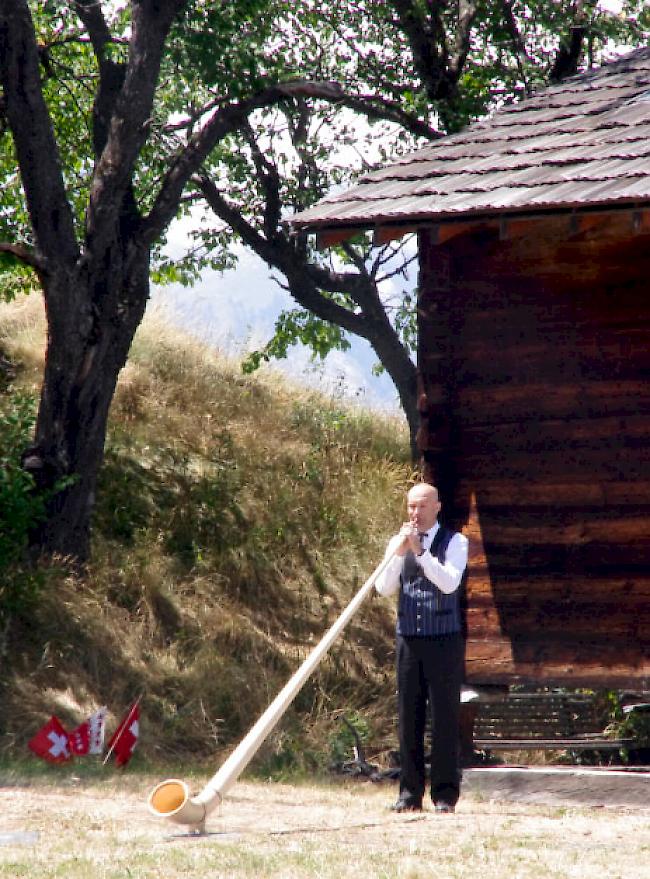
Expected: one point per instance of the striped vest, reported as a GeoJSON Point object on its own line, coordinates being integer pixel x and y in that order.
{"type": "Point", "coordinates": [424, 611]}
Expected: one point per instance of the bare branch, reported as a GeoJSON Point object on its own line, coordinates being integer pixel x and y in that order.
{"type": "Point", "coordinates": [223, 121]}
{"type": "Point", "coordinates": [308, 171]}
{"type": "Point", "coordinates": [326, 90]}
{"type": "Point", "coordinates": [567, 58]}
{"type": "Point", "coordinates": [234, 219]}
{"type": "Point", "coordinates": [375, 107]}
{"type": "Point", "coordinates": [189, 123]}
{"type": "Point", "coordinates": [357, 259]}
{"type": "Point", "coordinates": [402, 269]}
{"type": "Point", "coordinates": [513, 29]}
{"type": "Point", "coordinates": [269, 178]}
{"type": "Point", "coordinates": [130, 112]}
{"type": "Point", "coordinates": [305, 280]}
{"type": "Point", "coordinates": [467, 11]}
{"type": "Point", "coordinates": [92, 17]}
{"type": "Point", "coordinates": [26, 255]}
{"type": "Point", "coordinates": [521, 54]}
{"type": "Point", "coordinates": [428, 41]}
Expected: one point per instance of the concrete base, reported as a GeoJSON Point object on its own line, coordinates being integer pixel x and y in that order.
{"type": "Point", "coordinates": [556, 785]}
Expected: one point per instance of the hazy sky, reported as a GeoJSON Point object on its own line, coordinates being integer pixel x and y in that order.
{"type": "Point", "coordinates": [236, 310]}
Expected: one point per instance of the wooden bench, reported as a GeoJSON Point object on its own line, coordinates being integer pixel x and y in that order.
{"type": "Point", "coordinates": [548, 720]}
{"type": "Point", "coordinates": [496, 720]}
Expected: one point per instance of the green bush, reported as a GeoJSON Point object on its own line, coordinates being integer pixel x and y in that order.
{"type": "Point", "coordinates": [636, 725]}
{"type": "Point", "coordinates": [21, 506]}
{"type": "Point", "coordinates": [627, 724]}
{"type": "Point", "coordinates": [354, 730]}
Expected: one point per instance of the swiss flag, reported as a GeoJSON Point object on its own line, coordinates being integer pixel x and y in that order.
{"type": "Point", "coordinates": [51, 742]}
{"type": "Point", "coordinates": [123, 741]}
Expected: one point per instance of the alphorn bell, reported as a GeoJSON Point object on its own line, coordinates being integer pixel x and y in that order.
{"type": "Point", "coordinates": [171, 799]}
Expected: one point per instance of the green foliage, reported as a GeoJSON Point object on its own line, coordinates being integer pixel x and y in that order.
{"type": "Point", "coordinates": [288, 756]}
{"type": "Point", "coordinates": [354, 728]}
{"type": "Point", "coordinates": [325, 425]}
{"type": "Point", "coordinates": [127, 492]}
{"type": "Point", "coordinates": [69, 74]}
{"type": "Point", "coordinates": [636, 725]}
{"type": "Point", "coordinates": [21, 507]}
{"type": "Point", "coordinates": [15, 277]}
{"type": "Point", "coordinates": [633, 724]}
{"type": "Point", "coordinates": [298, 326]}
{"type": "Point", "coordinates": [241, 31]}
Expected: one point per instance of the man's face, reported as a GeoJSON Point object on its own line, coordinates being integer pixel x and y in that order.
{"type": "Point", "coordinates": [422, 506]}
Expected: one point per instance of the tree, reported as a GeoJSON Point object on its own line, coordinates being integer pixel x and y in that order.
{"type": "Point", "coordinates": [423, 69]}
{"type": "Point", "coordinates": [99, 193]}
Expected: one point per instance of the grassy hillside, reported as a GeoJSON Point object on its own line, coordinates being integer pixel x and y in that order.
{"type": "Point", "coordinates": [236, 517]}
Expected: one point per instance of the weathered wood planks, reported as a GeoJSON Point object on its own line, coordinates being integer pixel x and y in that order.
{"type": "Point", "coordinates": [534, 362]}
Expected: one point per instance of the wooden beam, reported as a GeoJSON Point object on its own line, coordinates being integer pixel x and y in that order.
{"type": "Point", "coordinates": [508, 228]}
{"type": "Point", "coordinates": [641, 221]}
{"type": "Point", "coordinates": [576, 223]}
{"type": "Point", "coordinates": [384, 234]}
{"type": "Point", "coordinates": [443, 232]}
{"type": "Point", "coordinates": [593, 223]}
{"type": "Point", "coordinates": [331, 237]}
{"type": "Point", "coordinates": [579, 224]}
{"type": "Point", "coordinates": [518, 227]}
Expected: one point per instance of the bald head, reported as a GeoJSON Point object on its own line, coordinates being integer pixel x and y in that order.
{"type": "Point", "coordinates": [423, 506]}
{"type": "Point", "coordinates": [423, 491]}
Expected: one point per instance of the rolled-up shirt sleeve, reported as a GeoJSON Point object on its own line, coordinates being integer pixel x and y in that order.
{"type": "Point", "coordinates": [388, 582]}
{"type": "Point", "coordinates": [446, 577]}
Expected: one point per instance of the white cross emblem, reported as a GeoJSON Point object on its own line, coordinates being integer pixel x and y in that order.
{"type": "Point", "coordinates": [59, 744]}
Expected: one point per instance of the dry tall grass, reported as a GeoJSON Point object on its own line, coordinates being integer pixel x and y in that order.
{"type": "Point", "coordinates": [236, 516]}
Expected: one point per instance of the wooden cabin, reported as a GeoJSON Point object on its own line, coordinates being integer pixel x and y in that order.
{"type": "Point", "coordinates": [533, 358]}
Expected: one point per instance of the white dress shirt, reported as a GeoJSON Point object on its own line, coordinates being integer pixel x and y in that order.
{"type": "Point", "coordinates": [446, 577]}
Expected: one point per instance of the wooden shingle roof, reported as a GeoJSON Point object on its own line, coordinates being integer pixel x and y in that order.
{"type": "Point", "coordinates": [582, 144]}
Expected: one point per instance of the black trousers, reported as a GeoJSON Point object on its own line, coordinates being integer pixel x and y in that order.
{"type": "Point", "coordinates": [430, 674]}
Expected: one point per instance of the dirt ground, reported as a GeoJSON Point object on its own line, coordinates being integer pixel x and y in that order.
{"type": "Point", "coordinates": [342, 828]}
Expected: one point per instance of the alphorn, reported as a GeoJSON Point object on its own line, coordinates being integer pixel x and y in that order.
{"type": "Point", "coordinates": [171, 798]}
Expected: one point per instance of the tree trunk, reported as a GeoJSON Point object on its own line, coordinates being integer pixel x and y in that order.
{"type": "Point", "coordinates": [371, 323]}
{"type": "Point", "coordinates": [395, 359]}
{"type": "Point", "coordinates": [93, 314]}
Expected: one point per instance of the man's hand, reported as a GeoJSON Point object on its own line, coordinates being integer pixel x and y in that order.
{"type": "Point", "coordinates": [410, 540]}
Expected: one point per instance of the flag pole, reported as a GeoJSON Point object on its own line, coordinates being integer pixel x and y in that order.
{"type": "Point", "coordinates": [121, 729]}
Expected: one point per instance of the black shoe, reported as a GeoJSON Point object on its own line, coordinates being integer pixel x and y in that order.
{"type": "Point", "coordinates": [443, 808]}
{"type": "Point", "coordinates": [445, 797]}
{"type": "Point", "coordinates": [406, 806]}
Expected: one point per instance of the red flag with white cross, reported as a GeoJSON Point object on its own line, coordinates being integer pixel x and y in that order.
{"type": "Point", "coordinates": [123, 741]}
{"type": "Point", "coordinates": [51, 742]}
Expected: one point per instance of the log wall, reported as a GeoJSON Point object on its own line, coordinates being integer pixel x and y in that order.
{"type": "Point", "coordinates": [534, 358]}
